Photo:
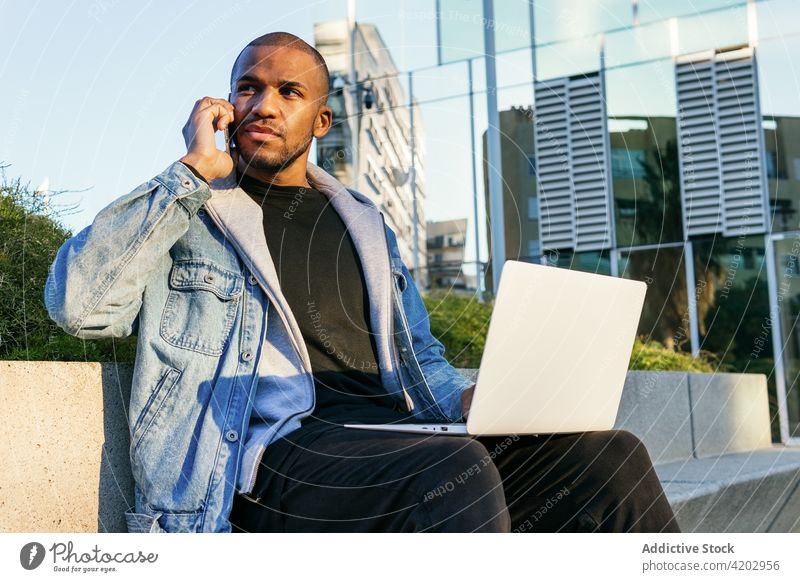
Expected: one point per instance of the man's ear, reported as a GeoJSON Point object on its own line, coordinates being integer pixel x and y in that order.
{"type": "Point", "coordinates": [323, 123]}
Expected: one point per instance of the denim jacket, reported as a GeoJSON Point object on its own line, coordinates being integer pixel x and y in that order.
{"type": "Point", "coordinates": [185, 266]}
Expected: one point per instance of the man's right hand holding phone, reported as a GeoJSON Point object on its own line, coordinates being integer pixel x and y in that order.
{"type": "Point", "coordinates": [208, 116]}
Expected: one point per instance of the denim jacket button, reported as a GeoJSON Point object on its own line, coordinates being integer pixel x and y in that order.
{"type": "Point", "coordinates": [209, 278]}
{"type": "Point", "coordinates": [187, 183]}
{"type": "Point", "coordinates": [252, 279]}
{"type": "Point", "coordinates": [247, 356]}
{"type": "Point", "coordinates": [232, 435]}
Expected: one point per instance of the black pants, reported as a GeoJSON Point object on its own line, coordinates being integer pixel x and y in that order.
{"type": "Point", "coordinates": [372, 481]}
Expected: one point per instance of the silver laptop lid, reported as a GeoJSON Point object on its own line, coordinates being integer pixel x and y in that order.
{"type": "Point", "coordinates": [557, 351]}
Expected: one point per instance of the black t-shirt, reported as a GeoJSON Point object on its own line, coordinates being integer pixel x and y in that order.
{"type": "Point", "coordinates": [322, 279]}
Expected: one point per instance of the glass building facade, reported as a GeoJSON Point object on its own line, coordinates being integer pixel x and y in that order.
{"type": "Point", "coordinates": [650, 139]}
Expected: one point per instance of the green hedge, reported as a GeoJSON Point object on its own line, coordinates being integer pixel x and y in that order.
{"type": "Point", "coordinates": [30, 235]}
{"type": "Point", "coordinates": [461, 324]}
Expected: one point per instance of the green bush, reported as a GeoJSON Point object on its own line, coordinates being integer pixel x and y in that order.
{"type": "Point", "coordinates": [461, 323]}
{"type": "Point", "coordinates": [652, 355]}
{"type": "Point", "coordinates": [30, 236]}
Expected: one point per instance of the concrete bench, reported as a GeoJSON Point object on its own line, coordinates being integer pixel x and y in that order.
{"type": "Point", "coordinates": [66, 459]}
{"type": "Point", "coordinates": [710, 440]}
{"type": "Point", "coordinates": [65, 451]}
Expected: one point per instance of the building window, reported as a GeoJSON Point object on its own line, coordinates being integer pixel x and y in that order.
{"type": "Point", "coordinates": [666, 304]}
{"type": "Point", "coordinates": [790, 265]}
{"type": "Point", "coordinates": [771, 162]}
{"type": "Point", "coordinates": [628, 163]}
{"type": "Point", "coordinates": [455, 241]}
{"type": "Point", "coordinates": [531, 165]}
{"type": "Point", "coordinates": [533, 208]}
{"type": "Point", "coordinates": [436, 242]}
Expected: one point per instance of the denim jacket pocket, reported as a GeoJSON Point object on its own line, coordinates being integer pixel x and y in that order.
{"type": "Point", "coordinates": [162, 521]}
{"type": "Point", "coordinates": [154, 403]}
{"type": "Point", "coordinates": [143, 522]}
{"type": "Point", "coordinates": [201, 306]}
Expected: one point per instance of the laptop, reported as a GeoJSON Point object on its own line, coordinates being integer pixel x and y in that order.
{"type": "Point", "coordinates": [555, 358]}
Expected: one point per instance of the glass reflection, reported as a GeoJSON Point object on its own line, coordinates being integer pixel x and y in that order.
{"type": "Point", "coordinates": [587, 261]}
{"type": "Point", "coordinates": [650, 10]}
{"type": "Point", "coordinates": [644, 154]}
{"type": "Point", "coordinates": [665, 315]}
{"type": "Point", "coordinates": [713, 29]}
{"type": "Point", "coordinates": [565, 19]}
{"type": "Point", "coordinates": [787, 266]}
{"type": "Point", "coordinates": [781, 129]}
{"type": "Point", "coordinates": [733, 307]}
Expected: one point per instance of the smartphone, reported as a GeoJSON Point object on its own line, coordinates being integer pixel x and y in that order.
{"type": "Point", "coordinates": [230, 133]}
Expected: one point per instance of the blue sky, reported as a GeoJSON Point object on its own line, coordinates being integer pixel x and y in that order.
{"type": "Point", "coordinates": [95, 93]}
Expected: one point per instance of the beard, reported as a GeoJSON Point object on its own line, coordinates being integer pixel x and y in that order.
{"type": "Point", "coordinates": [274, 162]}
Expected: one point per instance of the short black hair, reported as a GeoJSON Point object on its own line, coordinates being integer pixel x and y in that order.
{"type": "Point", "coordinates": [287, 39]}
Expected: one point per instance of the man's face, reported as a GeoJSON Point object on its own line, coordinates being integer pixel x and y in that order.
{"type": "Point", "coordinates": [278, 97]}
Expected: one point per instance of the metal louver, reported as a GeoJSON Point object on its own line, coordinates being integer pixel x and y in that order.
{"type": "Point", "coordinates": [722, 171]}
{"type": "Point", "coordinates": [572, 163]}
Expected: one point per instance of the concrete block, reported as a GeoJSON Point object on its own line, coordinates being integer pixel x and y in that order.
{"type": "Point", "coordinates": [690, 502]}
{"type": "Point", "coordinates": [730, 413]}
{"type": "Point", "coordinates": [65, 447]}
{"type": "Point", "coordinates": [788, 515]}
{"type": "Point", "coordinates": [749, 505]}
{"type": "Point", "coordinates": [735, 492]}
{"type": "Point", "coordinates": [733, 466]}
{"type": "Point", "coordinates": [655, 407]}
